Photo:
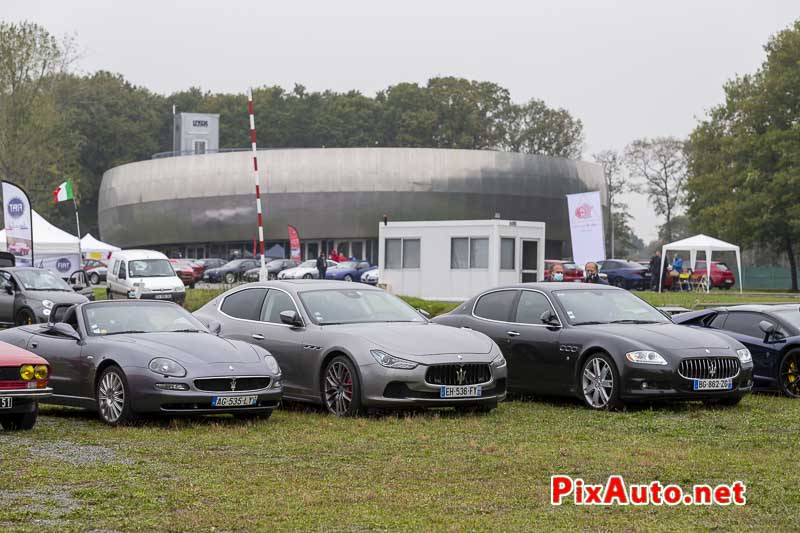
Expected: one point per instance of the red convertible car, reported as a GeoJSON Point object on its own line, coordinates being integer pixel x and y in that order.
{"type": "Point", "coordinates": [23, 382]}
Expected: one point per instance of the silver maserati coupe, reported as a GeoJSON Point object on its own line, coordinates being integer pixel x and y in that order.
{"type": "Point", "coordinates": [351, 348]}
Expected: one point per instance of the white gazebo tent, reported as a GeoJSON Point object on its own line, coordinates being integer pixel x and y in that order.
{"type": "Point", "coordinates": [702, 243]}
{"type": "Point", "coordinates": [91, 246]}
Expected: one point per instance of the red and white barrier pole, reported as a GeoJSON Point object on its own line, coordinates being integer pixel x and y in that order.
{"type": "Point", "coordinates": [263, 271]}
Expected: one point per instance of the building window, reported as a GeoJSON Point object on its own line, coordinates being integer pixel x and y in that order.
{"type": "Point", "coordinates": [410, 253]}
{"type": "Point", "coordinates": [402, 253]}
{"type": "Point", "coordinates": [507, 250]}
{"type": "Point", "coordinates": [467, 252]}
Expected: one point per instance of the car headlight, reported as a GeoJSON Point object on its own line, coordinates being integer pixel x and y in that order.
{"type": "Point", "coordinates": [499, 361]}
{"type": "Point", "coordinates": [41, 372]}
{"type": "Point", "coordinates": [744, 355]}
{"type": "Point", "coordinates": [390, 361]}
{"type": "Point", "coordinates": [26, 372]}
{"type": "Point", "coordinates": [272, 365]}
{"type": "Point", "coordinates": [166, 367]}
{"type": "Point", "coordinates": [47, 304]}
{"type": "Point", "coordinates": [180, 288]}
{"type": "Point", "coordinates": [646, 357]}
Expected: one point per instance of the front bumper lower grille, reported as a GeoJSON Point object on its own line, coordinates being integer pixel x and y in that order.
{"type": "Point", "coordinates": [709, 368]}
{"type": "Point", "coordinates": [455, 374]}
{"type": "Point", "coordinates": [232, 384]}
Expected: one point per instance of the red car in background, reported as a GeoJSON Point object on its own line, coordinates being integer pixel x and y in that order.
{"type": "Point", "coordinates": [721, 276]}
{"type": "Point", "coordinates": [187, 271]}
{"type": "Point", "coordinates": [23, 382]}
{"type": "Point", "coordinates": [572, 272]}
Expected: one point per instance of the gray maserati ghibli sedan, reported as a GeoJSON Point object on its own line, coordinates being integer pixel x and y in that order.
{"type": "Point", "coordinates": [127, 358]}
{"type": "Point", "coordinates": [351, 348]}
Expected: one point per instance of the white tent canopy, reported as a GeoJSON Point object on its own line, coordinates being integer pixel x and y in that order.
{"type": "Point", "coordinates": [47, 239]}
{"type": "Point", "coordinates": [90, 244]}
{"type": "Point", "coordinates": [706, 244]}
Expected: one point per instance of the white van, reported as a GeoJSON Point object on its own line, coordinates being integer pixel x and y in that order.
{"type": "Point", "coordinates": [143, 274]}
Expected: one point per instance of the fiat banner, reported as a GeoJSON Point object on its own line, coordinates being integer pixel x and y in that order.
{"type": "Point", "coordinates": [18, 223]}
{"type": "Point", "coordinates": [60, 264]}
{"type": "Point", "coordinates": [586, 227]}
{"type": "Point", "coordinates": [294, 244]}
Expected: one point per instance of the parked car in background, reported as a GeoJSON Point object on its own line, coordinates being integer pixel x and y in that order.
{"type": "Point", "coordinates": [184, 271]}
{"type": "Point", "coordinates": [572, 272]}
{"type": "Point", "coordinates": [197, 269]}
{"type": "Point", "coordinates": [350, 347]}
{"type": "Point", "coordinates": [19, 248]}
{"type": "Point", "coordinates": [603, 345]}
{"type": "Point", "coordinates": [23, 382]}
{"type": "Point", "coordinates": [721, 276]}
{"type": "Point", "coordinates": [95, 270]}
{"type": "Point", "coordinates": [230, 272]}
{"type": "Point", "coordinates": [306, 270]}
{"type": "Point", "coordinates": [145, 275]}
{"type": "Point", "coordinates": [123, 359]}
{"type": "Point", "coordinates": [211, 262]}
{"type": "Point", "coordinates": [625, 274]}
{"type": "Point", "coordinates": [274, 266]}
{"type": "Point", "coordinates": [770, 332]}
{"type": "Point", "coordinates": [28, 295]}
{"type": "Point", "coordinates": [370, 277]}
{"type": "Point", "coordinates": [348, 270]}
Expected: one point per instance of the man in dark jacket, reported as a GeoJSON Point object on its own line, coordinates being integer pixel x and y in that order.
{"type": "Point", "coordinates": [592, 276]}
{"type": "Point", "coordinates": [655, 269]}
{"type": "Point", "coordinates": [322, 265]}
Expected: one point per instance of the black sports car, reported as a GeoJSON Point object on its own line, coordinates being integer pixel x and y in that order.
{"type": "Point", "coordinates": [124, 358]}
{"type": "Point", "coordinates": [770, 332]}
{"type": "Point", "coordinates": [603, 345]}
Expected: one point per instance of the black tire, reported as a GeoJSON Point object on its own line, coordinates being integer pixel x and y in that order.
{"type": "Point", "coordinates": [334, 391]}
{"type": "Point", "coordinates": [120, 413]}
{"type": "Point", "coordinates": [230, 278]}
{"type": "Point", "coordinates": [94, 278]}
{"type": "Point", "coordinates": [308, 276]}
{"type": "Point", "coordinates": [723, 402]}
{"type": "Point", "coordinates": [271, 276]}
{"type": "Point", "coordinates": [482, 408]}
{"type": "Point", "coordinates": [348, 277]}
{"type": "Point", "coordinates": [789, 374]}
{"type": "Point", "coordinates": [20, 421]}
{"type": "Point", "coordinates": [607, 397]}
{"type": "Point", "coordinates": [24, 317]}
{"type": "Point", "coordinates": [264, 415]}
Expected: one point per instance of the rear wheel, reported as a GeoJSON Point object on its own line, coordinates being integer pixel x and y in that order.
{"type": "Point", "coordinates": [308, 276]}
{"type": "Point", "coordinates": [25, 317]}
{"type": "Point", "coordinates": [271, 276]}
{"type": "Point", "coordinates": [18, 421]}
{"type": "Point", "coordinates": [348, 277]}
{"type": "Point", "coordinates": [230, 277]}
{"type": "Point", "coordinates": [341, 389]}
{"type": "Point", "coordinates": [789, 377]}
{"type": "Point", "coordinates": [600, 383]}
{"type": "Point", "coordinates": [113, 397]}
{"type": "Point", "coordinates": [94, 278]}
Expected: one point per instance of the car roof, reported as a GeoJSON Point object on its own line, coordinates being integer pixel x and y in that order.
{"type": "Point", "coordinates": [311, 284]}
{"type": "Point", "coordinates": [137, 254]}
{"type": "Point", "coordinates": [761, 308]}
{"type": "Point", "coordinates": [555, 286]}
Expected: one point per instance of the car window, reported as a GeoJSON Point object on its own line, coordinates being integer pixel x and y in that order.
{"type": "Point", "coordinates": [721, 266]}
{"type": "Point", "coordinates": [496, 305]}
{"type": "Point", "coordinates": [530, 307]}
{"type": "Point", "coordinates": [745, 324]}
{"type": "Point", "coordinates": [276, 302]}
{"type": "Point", "coordinates": [116, 267]}
{"type": "Point", "coordinates": [718, 322]}
{"type": "Point", "coordinates": [245, 304]}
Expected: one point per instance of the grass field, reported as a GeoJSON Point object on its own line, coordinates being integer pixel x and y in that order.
{"type": "Point", "coordinates": [303, 470]}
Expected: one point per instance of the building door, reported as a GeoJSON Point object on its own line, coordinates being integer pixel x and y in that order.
{"type": "Point", "coordinates": [530, 261]}
{"type": "Point", "coordinates": [357, 249]}
{"type": "Point", "coordinates": [199, 147]}
{"type": "Point", "coordinates": [312, 250]}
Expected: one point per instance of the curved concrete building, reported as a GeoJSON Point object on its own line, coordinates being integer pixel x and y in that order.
{"type": "Point", "coordinates": [204, 205]}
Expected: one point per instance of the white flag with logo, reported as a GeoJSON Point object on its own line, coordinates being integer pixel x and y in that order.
{"type": "Point", "coordinates": [586, 227]}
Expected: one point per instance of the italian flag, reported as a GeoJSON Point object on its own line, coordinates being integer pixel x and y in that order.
{"type": "Point", "coordinates": [63, 192]}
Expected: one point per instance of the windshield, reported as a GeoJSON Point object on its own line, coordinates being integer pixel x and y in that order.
{"type": "Point", "coordinates": [275, 263]}
{"type": "Point", "coordinates": [351, 306]}
{"type": "Point", "coordinates": [150, 268]}
{"type": "Point", "coordinates": [124, 317]}
{"type": "Point", "coordinates": [597, 306]}
{"type": "Point", "coordinates": [41, 280]}
{"type": "Point", "coordinates": [347, 264]}
{"type": "Point", "coordinates": [233, 264]}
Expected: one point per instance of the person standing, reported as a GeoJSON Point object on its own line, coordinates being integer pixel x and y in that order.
{"type": "Point", "coordinates": [556, 272]}
{"type": "Point", "coordinates": [322, 265]}
{"type": "Point", "coordinates": [591, 274]}
{"type": "Point", "coordinates": [655, 270]}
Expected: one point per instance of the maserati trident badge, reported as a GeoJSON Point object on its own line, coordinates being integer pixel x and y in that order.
{"type": "Point", "coordinates": [461, 375]}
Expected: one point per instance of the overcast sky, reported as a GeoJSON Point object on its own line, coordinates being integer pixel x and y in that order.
{"type": "Point", "coordinates": [628, 69]}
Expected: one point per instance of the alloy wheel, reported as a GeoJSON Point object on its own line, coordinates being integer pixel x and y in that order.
{"type": "Point", "coordinates": [338, 388]}
{"type": "Point", "coordinates": [598, 383]}
{"type": "Point", "coordinates": [111, 397]}
{"type": "Point", "coordinates": [348, 277]}
{"type": "Point", "coordinates": [790, 374]}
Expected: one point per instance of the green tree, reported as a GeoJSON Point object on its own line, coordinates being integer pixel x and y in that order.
{"type": "Point", "coordinates": [535, 128]}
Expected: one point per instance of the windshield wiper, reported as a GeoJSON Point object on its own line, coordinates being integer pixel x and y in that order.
{"type": "Point", "coordinates": [634, 321]}
{"type": "Point", "coordinates": [187, 330]}
{"type": "Point", "coordinates": [125, 332]}
{"type": "Point", "coordinates": [588, 323]}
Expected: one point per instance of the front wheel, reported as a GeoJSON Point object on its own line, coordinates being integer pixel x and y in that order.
{"type": "Point", "coordinates": [600, 383]}
{"type": "Point", "coordinates": [25, 317]}
{"type": "Point", "coordinates": [308, 276]}
{"type": "Point", "coordinates": [348, 277]}
{"type": "Point", "coordinates": [271, 276]}
{"type": "Point", "coordinates": [94, 278]}
{"type": "Point", "coordinates": [113, 397]}
{"type": "Point", "coordinates": [20, 421]}
{"type": "Point", "coordinates": [341, 389]}
{"type": "Point", "coordinates": [789, 374]}
{"type": "Point", "coordinates": [230, 278]}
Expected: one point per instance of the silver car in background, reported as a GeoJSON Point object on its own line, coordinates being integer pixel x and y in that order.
{"type": "Point", "coordinates": [350, 348]}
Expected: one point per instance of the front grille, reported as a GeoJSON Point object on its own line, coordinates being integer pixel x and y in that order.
{"type": "Point", "coordinates": [467, 374]}
{"type": "Point", "coordinates": [9, 373]}
{"type": "Point", "coordinates": [232, 384]}
{"type": "Point", "coordinates": [709, 368]}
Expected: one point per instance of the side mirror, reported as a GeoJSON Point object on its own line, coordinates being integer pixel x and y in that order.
{"type": "Point", "coordinates": [9, 288]}
{"type": "Point", "coordinates": [65, 330]}
{"type": "Point", "coordinates": [767, 327]}
{"type": "Point", "coordinates": [549, 318]}
{"type": "Point", "coordinates": [423, 313]}
{"type": "Point", "coordinates": [291, 318]}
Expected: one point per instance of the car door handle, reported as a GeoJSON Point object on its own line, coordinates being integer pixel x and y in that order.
{"type": "Point", "coordinates": [513, 333]}
{"type": "Point", "coordinates": [258, 336]}
{"type": "Point", "coordinates": [34, 344]}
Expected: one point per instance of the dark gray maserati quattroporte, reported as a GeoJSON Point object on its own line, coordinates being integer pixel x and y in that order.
{"type": "Point", "coordinates": [351, 347]}
{"type": "Point", "coordinates": [125, 358]}
{"type": "Point", "coordinates": [603, 345]}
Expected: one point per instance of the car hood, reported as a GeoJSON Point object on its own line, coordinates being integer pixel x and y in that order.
{"type": "Point", "coordinates": [190, 348]}
{"type": "Point", "coordinates": [665, 337]}
{"type": "Point", "coordinates": [419, 339]}
{"type": "Point", "coordinates": [59, 297]}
